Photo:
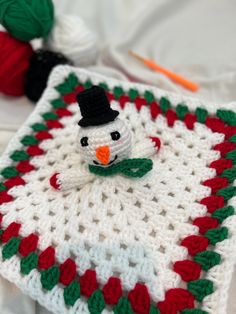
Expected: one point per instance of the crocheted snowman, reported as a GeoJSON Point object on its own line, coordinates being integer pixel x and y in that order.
{"type": "Point", "coordinates": [104, 144]}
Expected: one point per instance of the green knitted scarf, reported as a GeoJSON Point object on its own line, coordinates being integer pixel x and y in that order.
{"type": "Point", "coordinates": [133, 168]}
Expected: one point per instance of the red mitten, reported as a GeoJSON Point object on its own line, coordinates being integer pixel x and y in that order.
{"type": "Point", "coordinates": [53, 181]}
{"type": "Point", "coordinates": [156, 141]}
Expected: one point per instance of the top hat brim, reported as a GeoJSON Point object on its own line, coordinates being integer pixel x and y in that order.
{"type": "Point", "coordinates": [99, 120]}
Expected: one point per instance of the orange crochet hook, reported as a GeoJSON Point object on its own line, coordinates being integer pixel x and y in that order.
{"type": "Point", "coordinates": [173, 76]}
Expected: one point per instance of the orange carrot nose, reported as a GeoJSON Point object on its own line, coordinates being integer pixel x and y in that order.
{"type": "Point", "coordinates": [103, 154]}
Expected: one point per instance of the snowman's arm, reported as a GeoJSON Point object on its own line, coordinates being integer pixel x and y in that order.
{"type": "Point", "coordinates": [71, 178]}
{"type": "Point", "coordinates": [146, 148]}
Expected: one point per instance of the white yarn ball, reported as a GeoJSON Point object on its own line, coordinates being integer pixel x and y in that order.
{"type": "Point", "coordinates": [71, 37]}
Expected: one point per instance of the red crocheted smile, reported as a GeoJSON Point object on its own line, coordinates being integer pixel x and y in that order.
{"type": "Point", "coordinates": [110, 162]}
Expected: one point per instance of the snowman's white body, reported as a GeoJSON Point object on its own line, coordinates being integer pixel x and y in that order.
{"type": "Point", "coordinates": [103, 146]}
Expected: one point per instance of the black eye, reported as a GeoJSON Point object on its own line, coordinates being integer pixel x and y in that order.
{"type": "Point", "coordinates": [115, 135]}
{"type": "Point", "coordinates": [84, 141]}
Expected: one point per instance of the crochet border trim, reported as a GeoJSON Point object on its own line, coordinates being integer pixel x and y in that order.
{"type": "Point", "coordinates": [200, 247]}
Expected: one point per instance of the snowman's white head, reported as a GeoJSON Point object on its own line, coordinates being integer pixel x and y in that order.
{"type": "Point", "coordinates": [106, 144]}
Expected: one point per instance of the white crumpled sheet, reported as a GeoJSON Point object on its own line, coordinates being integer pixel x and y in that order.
{"type": "Point", "coordinates": [193, 38]}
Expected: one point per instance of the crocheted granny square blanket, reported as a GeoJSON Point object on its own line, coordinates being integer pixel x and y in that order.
{"type": "Point", "coordinates": [161, 244]}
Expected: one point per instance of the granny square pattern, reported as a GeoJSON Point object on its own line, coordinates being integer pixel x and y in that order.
{"type": "Point", "coordinates": [161, 244]}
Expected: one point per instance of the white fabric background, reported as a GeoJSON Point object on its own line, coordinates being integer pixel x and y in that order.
{"type": "Point", "coordinates": [190, 37]}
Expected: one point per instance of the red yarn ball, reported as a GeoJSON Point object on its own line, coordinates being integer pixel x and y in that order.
{"type": "Point", "coordinates": [14, 62]}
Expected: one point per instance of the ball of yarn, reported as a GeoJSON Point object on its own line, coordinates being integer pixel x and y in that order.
{"type": "Point", "coordinates": [41, 64]}
{"type": "Point", "coordinates": [14, 62]}
{"type": "Point", "coordinates": [27, 19]}
{"type": "Point", "coordinates": [71, 37]}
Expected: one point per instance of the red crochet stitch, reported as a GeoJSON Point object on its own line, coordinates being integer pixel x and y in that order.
{"type": "Point", "coordinates": [88, 282]}
{"type": "Point", "coordinates": [139, 102]}
{"type": "Point", "coordinates": [215, 124]}
{"type": "Point", "coordinates": [205, 223]}
{"type": "Point", "coordinates": [195, 244]}
{"type": "Point", "coordinates": [155, 109]}
{"type": "Point", "coordinates": [54, 124]}
{"type": "Point", "coordinates": [171, 117]}
{"type": "Point", "coordinates": [24, 166]}
{"type": "Point", "coordinates": [190, 120]}
{"type": "Point", "coordinates": [43, 135]}
{"type": "Point", "coordinates": [63, 112]}
{"type": "Point", "coordinates": [68, 272]}
{"type": "Point", "coordinates": [69, 98]}
{"type": "Point", "coordinates": [225, 147]}
{"type": "Point", "coordinates": [188, 270]}
{"type": "Point", "coordinates": [176, 300]}
{"type": "Point", "coordinates": [110, 96]}
{"type": "Point", "coordinates": [35, 150]}
{"type": "Point", "coordinates": [112, 290]}
{"type": "Point", "coordinates": [11, 231]}
{"type": "Point", "coordinates": [140, 299]}
{"type": "Point", "coordinates": [216, 184]}
{"type": "Point", "coordinates": [221, 164]}
{"type": "Point", "coordinates": [213, 202]}
{"type": "Point", "coordinates": [46, 258]}
{"type": "Point", "coordinates": [28, 244]}
{"type": "Point", "coordinates": [229, 131]}
{"type": "Point", "coordinates": [5, 197]}
{"type": "Point", "coordinates": [15, 181]}
{"type": "Point", "coordinates": [123, 100]}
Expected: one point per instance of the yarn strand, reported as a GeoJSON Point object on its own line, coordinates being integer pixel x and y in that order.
{"type": "Point", "coordinates": [14, 59]}
{"type": "Point", "coordinates": [71, 36]}
{"type": "Point", "coordinates": [27, 20]}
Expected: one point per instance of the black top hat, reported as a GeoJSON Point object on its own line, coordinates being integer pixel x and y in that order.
{"type": "Point", "coordinates": [95, 107]}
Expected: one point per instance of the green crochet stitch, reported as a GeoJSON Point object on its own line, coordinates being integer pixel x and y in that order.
{"type": "Point", "coordinates": [133, 168]}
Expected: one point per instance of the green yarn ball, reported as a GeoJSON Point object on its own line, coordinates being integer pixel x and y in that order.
{"type": "Point", "coordinates": [27, 19]}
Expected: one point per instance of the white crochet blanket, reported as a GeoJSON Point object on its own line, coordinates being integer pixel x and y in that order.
{"type": "Point", "coordinates": [160, 244]}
